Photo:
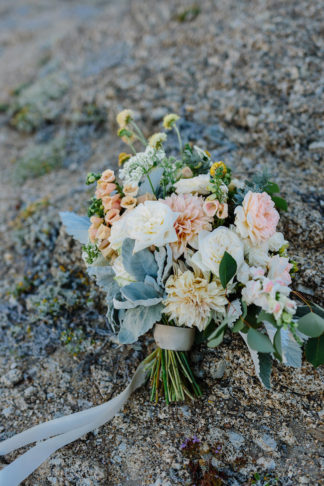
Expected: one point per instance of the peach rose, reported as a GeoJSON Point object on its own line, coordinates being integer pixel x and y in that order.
{"type": "Point", "coordinates": [112, 216]}
{"type": "Point", "coordinates": [257, 218]}
{"type": "Point", "coordinates": [107, 176]}
{"type": "Point", "coordinates": [128, 202]}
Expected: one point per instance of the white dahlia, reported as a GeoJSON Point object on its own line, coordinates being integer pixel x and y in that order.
{"type": "Point", "coordinates": [191, 299]}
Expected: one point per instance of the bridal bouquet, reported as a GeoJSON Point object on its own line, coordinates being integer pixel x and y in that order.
{"type": "Point", "coordinates": [177, 243]}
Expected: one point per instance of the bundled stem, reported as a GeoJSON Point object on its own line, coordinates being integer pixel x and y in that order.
{"type": "Point", "coordinates": [170, 373]}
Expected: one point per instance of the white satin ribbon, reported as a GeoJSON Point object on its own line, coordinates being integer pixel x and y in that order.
{"type": "Point", "coordinates": [174, 338]}
{"type": "Point", "coordinates": [64, 430]}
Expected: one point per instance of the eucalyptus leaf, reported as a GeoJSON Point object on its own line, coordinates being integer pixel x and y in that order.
{"type": "Point", "coordinates": [219, 329]}
{"type": "Point", "coordinates": [238, 326]}
{"type": "Point", "coordinates": [227, 269]}
{"type": "Point", "coordinates": [259, 342]}
{"type": "Point", "coordinates": [265, 365]}
{"type": "Point", "coordinates": [137, 322]}
{"type": "Point", "coordinates": [265, 316]}
{"type": "Point", "coordinates": [314, 351]}
{"type": "Point", "coordinates": [216, 341]}
{"type": "Point", "coordinates": [76, 226]}
{"type": "Point", "coordinates": [311, 324]}
{"type": "Point", "coordinates": [305, 309]}
{"type": "Point", "coordinates": [139, 264]}
{"type": "Point", "coordinates": [262, 364]}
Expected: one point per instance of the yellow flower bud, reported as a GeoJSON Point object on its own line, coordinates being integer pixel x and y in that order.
{"type": "Point", "coordinates": [122, 157]}
{"type": "Point", "coordinates": [217, 165]}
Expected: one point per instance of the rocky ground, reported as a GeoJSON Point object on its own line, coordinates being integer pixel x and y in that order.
{"type": "Point", "coordinates": [246, 77]}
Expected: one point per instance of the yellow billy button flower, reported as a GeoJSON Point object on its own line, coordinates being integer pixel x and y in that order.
{"type": "Point", "coordinates": [124, 117]}
{"type": "Point", "coordinates": [122, 157]}
{"type": "Point", "coordinates": [157, 139]}
{"type": "Point", "coordinates": [170, 120]}
{"type": "Point", "coordinates": [218, 165]}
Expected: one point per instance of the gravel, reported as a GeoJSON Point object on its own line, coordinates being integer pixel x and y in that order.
{"type": "Point", "coordinates": [246, 78]}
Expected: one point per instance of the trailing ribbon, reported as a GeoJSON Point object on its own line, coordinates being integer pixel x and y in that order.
{"type": "Point", "coordinates": [64, 430]}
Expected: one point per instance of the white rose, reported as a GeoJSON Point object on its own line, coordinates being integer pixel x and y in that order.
{"type": "Point", "coordinates": [243, 273]}
{"type": "Point", "coordinates": [276, 241]}
{"type": "Point", "coordinates": [257, 255]}
{"type": "Point", "coordinates": [118, 232]}
{"type": "Point", "coordinates": [151, 223]}
{"type": "Point", "coordinates": [196, 184]}
{"type": "Point", "coordinates": [212, 246]}
{"type": "Point", "coordinates": [122, 276]}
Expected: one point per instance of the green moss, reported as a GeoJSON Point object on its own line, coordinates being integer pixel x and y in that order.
{"type": "Point", "coordinates": [188, 14]}
{"type": "Point", "coordinates": [35, 104]}
{"type": "Point", "coordinates": [40, 159]}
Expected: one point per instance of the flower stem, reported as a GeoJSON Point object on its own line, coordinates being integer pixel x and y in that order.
{"type": "Point", "coordinates": [150, 182]}
{"type": "Point", "coordinates": [179, 137]}
{"type": "Point", "coordinates": [140, 135]}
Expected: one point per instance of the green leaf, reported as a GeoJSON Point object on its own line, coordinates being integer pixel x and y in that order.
{"type": "Point", "coordinates": [238, 326]}
{"type": "Point", "coordinates": [265, 364]}
{"type": "Point", "coordinates": [264, 316]}
{"type": "Point", "coordinates": [280, 203]}
{"type": "Point", "coordinates": [314, 351]}
{"type": "Point", "coordinates": [271, 188]}
{"type": "Point", "coordinates": [218, 330]}
{"type": "Point", "coordinates": [277, 343]}
{"type": "Point", "coordinates": [259, 342]}
{"type": "Point", "coordinates": [305, 309]}
{"type": "Point", "coordinates": [227, 269]}
{"type": "Point", "coordinates": [311, 324]}
{"type": "Point", "coordinates": [217, 341]}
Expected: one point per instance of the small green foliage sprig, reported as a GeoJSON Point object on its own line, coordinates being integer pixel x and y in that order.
{"type": "Point", "coordinates": [92, 177]}
{"type": "Point", "coordinates": [198, 161]}
{"type": "Point", "coordinates": [95, 208]}
{"type": "Point", "coordinates": [91, 252]}
{"type": "Point", "coordinates": [171, 168]}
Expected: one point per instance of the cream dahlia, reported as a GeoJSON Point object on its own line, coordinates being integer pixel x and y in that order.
{"type": "Point", "coordinates": [191, 299]}
{"type": "Point", "coordinates": [191, 220]}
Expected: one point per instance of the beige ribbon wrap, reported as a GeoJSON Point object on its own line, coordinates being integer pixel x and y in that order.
{"type": "Point", "coordinates": [64, 430]}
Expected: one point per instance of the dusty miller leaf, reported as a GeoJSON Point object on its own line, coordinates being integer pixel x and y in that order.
{"type": "Point", "coordinates": [76, 226]}
{"type": "Point", "coordinates": [137, 322]}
